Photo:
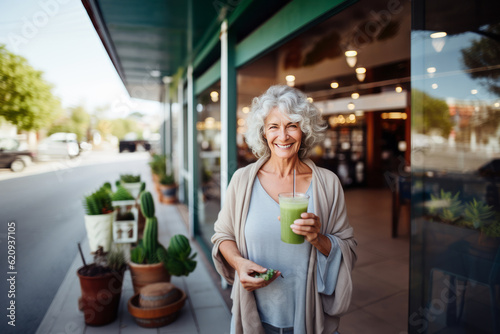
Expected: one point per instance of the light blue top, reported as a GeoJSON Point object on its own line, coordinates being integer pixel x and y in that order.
{"type": "Point", "coordinates": [282, 303]}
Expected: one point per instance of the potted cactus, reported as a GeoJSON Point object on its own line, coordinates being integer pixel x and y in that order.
{"type": "Point", "coordinates": [150, 262]}
{"type": "Point", "coordinates": [101, 286]}
{"type": "Point", "coordinates": [132, 183]}
{"type": "Point", "coordinates": [99, 216]}
{"type": "Point", "coordinates": [122, 197]}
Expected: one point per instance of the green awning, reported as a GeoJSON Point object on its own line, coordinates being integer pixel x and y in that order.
{"type": "Point", "coordinates": [148, 40]}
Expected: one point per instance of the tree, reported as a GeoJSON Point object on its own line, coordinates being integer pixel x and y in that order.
{"type": "Point", "coordinates": [26, 99]}
{"type": "Point", "coordinates": [435, 113]}
{"type": "Point", "coordinates": [483, 58]}
{"type": "Point", "coordinates": [77, 121]}
{"type": "Point", "coordinates": [118, 127]}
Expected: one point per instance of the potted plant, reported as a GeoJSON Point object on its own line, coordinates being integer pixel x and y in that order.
{"type": "Point", "coordinates": [122, 197]}
{"type": "Point", "coordinates": [150, 262]}
{"type": "Point", "coordinates": [99, 216]}
{"type": "Point", "coordinates": [158, 165]}
{"type": "Point", "coordinates": [168, 189]}
{"type": "Point", "coordinates": [101, 286]}
{"type": "Point", "coordinates": [125, 227]}
{"type": "Point", "coordinates": [157, 305]}
{"type": "Point", "coordinates": [132, 183]}
{"type": "Point", "coordinates": [463, 229]}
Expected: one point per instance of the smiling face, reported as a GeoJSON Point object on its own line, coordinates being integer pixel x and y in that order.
{"type": "Point", "coordinates": [283, 136]}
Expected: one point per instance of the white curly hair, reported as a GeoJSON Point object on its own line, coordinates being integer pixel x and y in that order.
{"type": "Point", "coordinates": [292, 103]}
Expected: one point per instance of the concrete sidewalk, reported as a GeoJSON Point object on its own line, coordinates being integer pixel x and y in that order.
{"type": "Point", "coordinates": [204, 311]}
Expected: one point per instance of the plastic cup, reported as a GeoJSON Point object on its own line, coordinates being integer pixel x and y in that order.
{"type": "Point", "coordinates": [290, 209]}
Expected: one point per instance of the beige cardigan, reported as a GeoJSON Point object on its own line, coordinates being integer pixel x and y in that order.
{"type": "Point", "coordinates": [323, 311]}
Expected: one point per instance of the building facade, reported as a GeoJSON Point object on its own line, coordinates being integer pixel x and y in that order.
{"type": "Point", "coordinates": [410, 93]}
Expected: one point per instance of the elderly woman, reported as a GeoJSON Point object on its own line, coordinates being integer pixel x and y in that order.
{"type": "Point", "coordinates": [312, 286]}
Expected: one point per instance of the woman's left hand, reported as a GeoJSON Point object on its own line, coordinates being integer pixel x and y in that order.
{"type": "Point", "coordinates": [309, 226]}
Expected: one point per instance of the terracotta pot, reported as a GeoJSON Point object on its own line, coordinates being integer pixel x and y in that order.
{"type": "Point", "coordinates": [100, 297]}
{"type": "Point", "coordinates": [155, 317]}
{"type": "Point", "coordinates": [168, 193]}
{"type": "Point", "coordinates": [144, 274]}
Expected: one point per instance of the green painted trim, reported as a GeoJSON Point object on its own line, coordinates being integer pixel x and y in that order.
{"type": "Point", "coordinates": [295, 16]}
{"type": "Point", "coordinates": [232, 156]}
{"type": "Point", "coordinates": [239, 10]}
{"type": "Point", "coordinates": [207, 79]}
{"type": "Point", "coordinates": [207, 48]}
{"type": "Point", "coordinates": [291, 19]}
{"type": "Point", "coordinates": [207, 43]}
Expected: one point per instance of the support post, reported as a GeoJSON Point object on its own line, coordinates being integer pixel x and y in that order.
{"type": "Point", "coordinates": [180, 141]}
{"type": "Point", "coordinates": [228, 106]}
{"type": "Point", "coordinates": [192, 155]}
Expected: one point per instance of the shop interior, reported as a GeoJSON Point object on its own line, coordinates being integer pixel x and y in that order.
{"type": "Point", "coordinates": [355, 67]}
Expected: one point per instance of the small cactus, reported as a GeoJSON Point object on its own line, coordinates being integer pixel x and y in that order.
{"type": "Point", "coordinates": [121, 194]}
{"type": "Point", "coordinates": [130, 178]}
{"type": "Point", "coordinates": [99, 202]}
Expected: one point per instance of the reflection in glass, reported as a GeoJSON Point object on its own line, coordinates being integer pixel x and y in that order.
{"type": "Point", "coordinates": [455, 272]}
{"type": "Point", "coordinates": [209, 136]}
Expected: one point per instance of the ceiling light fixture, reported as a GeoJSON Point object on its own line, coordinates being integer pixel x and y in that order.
{"type": "Point", "coordinates": [439, 34]}
{"type": "Point", "coordinates": [361, 73]}
{"type": "Point", "coordinates": [431, 71]}
{"type": "Point", "coordinates": [334, 85]}
{"type": "Point", "coordinates": [155, 73]}
{"type": "Point", "coordinates": [355, 96]}
{"type": "Point", "coordinates": [438, 41]}
{"type": "Point", "coordinates": [214, 95]}
{"type": "Point", "coordinates": [290, 80]}
{"type": "Point", "coordinates": [351, 57]}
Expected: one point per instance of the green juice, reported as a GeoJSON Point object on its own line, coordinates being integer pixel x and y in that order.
{"type": "Point", "coordinates": [290, 209]}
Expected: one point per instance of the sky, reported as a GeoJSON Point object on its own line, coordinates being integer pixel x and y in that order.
{"type": "Point", "coordinates": [58, 38]}
{"type": "Point", "coordinates": [452, 82]}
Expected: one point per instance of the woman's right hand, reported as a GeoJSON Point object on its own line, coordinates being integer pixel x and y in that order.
{"type": "Point", "coordinates": [246, 269]}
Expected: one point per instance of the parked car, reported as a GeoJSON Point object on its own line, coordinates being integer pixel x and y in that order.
{"type": "Point", "coordinates": [13, 156]}
{"type": "Point", "coordinates": [59, 145]}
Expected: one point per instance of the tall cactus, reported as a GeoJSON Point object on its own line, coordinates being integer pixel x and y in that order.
{"type": "Point", "coordinates": [178, 259]}
{"type": "Point", "coordinates": [150, 236]}
{"type": "Point", "coordinates": [147, 204]}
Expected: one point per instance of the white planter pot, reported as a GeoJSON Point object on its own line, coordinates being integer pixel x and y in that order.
{"type": "Point", "coordinates": [126, 231]}
{"type": "Point", "coordinates": [124, 205]}
{"type": "Point", "coordinates": [100, 231]}
{"type": "Point", "coordinates": [133, 188]}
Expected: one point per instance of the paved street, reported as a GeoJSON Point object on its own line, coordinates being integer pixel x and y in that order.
{"type": "Point", "coordinates": [45, 203]}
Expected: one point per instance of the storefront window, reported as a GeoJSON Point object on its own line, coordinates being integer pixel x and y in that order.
{"type": "Point", "coordinates": [208, 128]}
{"type": "Point", "coordinates": [355, 67]}
{"type": "Point", "coordinates": [455, 254]}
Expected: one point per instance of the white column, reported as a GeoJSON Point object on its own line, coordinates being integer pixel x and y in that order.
{"type": "Point", "coordinates": [224, 110]}
{"type": "Point", "coordinates": [180, 140]}
{"type": "Point", "coordinates": [191, 144]}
